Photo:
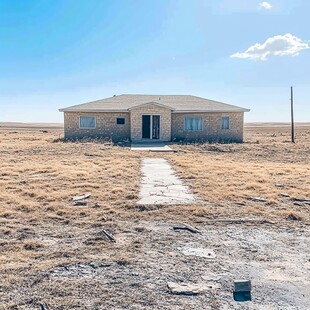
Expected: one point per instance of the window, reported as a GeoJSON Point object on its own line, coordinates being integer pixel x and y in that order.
{"type": "Point", "coordinates": [120, 121]}
{"type": "Point", "coordinates": [225, 122]}
{"type": "Point", "coordinates": [193, 123]}
{"type": "Point", "coordinates": [87, 122]}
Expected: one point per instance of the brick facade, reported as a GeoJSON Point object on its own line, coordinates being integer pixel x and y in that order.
{"type": "Point", "coordinates": [171, 125]}
{"type": "Point", "coordinates": [106, 126]}
{"type": "Point", "coordinates": [211, 127]}
{"type": "Point", "coordinates": [151, 109]}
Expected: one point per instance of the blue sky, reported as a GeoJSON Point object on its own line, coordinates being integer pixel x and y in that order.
{"type": "Point", "coordinates": [59, 53]}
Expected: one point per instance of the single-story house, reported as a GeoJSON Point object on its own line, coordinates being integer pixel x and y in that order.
{"type": "Point", "coordinates": [153, 118]}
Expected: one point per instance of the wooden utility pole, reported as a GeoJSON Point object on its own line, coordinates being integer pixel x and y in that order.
{"type": "Point", "coordinates": [292, 115]}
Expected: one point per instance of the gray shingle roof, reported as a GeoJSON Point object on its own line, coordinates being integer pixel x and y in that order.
{"type": "Point", "coordinates": [178, 103]}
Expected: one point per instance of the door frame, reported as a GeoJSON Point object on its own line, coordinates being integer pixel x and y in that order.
{"type": "Point", "coordinates": [151, 127]}
{"type": "Point", "coordinates": [155, 127]}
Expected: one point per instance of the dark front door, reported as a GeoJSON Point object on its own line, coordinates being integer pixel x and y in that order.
{"type": "Point", "coordinates": [155, 126]}
{"type": "Point", "coordinates": [150, 126]}
{"type": "Point", "coordinates": [146, 126]}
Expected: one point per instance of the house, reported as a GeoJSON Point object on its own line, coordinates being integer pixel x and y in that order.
{"type": "Point", "coordinates": [153, 118]}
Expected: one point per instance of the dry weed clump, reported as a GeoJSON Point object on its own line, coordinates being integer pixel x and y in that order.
{"type": "Point", "coordinates": [33, 245]}
{"type": "Point", "coordinates": [293, 215]}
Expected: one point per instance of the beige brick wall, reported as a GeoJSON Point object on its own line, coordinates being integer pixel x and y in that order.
{"type": "Point", "coordinates": [106, 126]}
{"type": "Point", "coordinates": [151, 109]}
{"type": "Point", "coordinates": [211, 128]}
{"type": "Point", "coordinates": [171, 125]}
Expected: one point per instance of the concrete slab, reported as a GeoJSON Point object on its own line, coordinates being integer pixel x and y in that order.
{"type": "Point", "coordinates": [191, 288]}
{"type": "Point", "coordinates": [151, 147]}
{"type": "Point", "coordinates": [161, 186]}
{"type": "Point", "coordinates": [200, 252]}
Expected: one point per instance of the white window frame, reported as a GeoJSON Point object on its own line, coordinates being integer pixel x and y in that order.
{"type": "Point", "coordinates": [87, 127]}
{"type": "Point", "coordinates": [193, 129]}
{"type": "Point", "coordinates": [222, 122]}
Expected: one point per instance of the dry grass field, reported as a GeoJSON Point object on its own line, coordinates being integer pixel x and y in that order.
{"type": "Point", "coordinates": [230, 174]}
{"type": "Point", "coordinates": [54, 254]}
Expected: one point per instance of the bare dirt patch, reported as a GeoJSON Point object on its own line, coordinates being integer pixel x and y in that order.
{"type": "Point", "coordinates": [54, 254]}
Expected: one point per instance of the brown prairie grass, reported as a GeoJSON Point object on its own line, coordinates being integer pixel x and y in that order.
{"type": "Point", "coordinates": [40, 228]}
{"type": "Point", "coordinates": [41, 176]}
{"type": "Point", "coordinates": [236, 172]}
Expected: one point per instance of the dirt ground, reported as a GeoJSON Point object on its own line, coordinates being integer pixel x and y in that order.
{"type": "Point", "coordinates": [55, 255]}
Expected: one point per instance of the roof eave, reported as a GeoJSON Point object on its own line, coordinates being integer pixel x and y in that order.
{"type": "Point", "coordinates": [93, 110]}
{"type": "Point", "coordinates": [211, 111]}
{"type": "Point", "coordinates": [172, 111]}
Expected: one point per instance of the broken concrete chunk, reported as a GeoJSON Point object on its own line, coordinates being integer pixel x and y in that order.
{"type": "Point", "coordinates": [279, 185]}
{"type": "Point", "coordinates": [190, 288]}
{"type": "Point", "coordinates": [200, 252]}
{"type": "Point", "coordinates": [84, 196]}
{"type": "Point", "coordinates": [242, 285]}
{"type": "Point", "coordinates": [257, 199]}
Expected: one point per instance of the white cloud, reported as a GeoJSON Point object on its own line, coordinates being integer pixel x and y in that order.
{"type": "Point", "coordinates": [265, 5]}
{"type": "Point", "coordinates": [280, 45]}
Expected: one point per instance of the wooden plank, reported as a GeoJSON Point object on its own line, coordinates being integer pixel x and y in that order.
{"type": "Point", "coordinates": [301, 200]}
{"type": "Point", "coordinates": [110, 237]}
{"type": "Point", "coordinates": [183, 226]}
{"type": "Point", "coordinates": [80, 203]}
{"type": "Point", "coordinates": [237, 221]}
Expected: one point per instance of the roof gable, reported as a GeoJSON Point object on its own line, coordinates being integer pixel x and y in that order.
{"type": "Point", "coordinates": [150, 103]}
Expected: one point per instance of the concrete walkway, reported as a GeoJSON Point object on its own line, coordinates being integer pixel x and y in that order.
{"type": "Point", "coordinates": [161, 186]}
{"type": "Point", "coordinates": [152, 147]}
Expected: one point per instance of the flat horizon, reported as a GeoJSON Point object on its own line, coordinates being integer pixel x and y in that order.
{"type": "Point", "coordinates": [60, 125]}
